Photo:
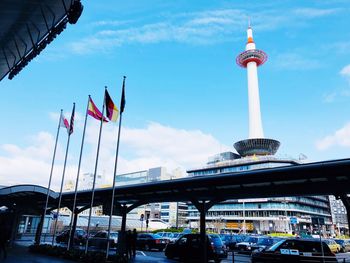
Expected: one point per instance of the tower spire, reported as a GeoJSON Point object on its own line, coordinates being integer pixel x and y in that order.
{"type": "Point", "coordinates": [250, 39]}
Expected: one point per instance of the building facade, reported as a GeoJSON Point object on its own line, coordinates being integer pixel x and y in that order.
{"type": "Point", "coordinates": [339, 215]}
{"type": "Point", "coordinates": [173, 213]}
{"type": "Point", "coordinates": [261, 215]}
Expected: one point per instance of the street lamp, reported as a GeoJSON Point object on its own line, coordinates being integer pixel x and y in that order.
{"type": "Point", "coordinates": [286, 229]}
{"type": "Point", "coordinates": [244, 226]}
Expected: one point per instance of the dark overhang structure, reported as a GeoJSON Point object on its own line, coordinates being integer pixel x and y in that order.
{"type": "Point", "coordinates": [28, 26]}
{"type": "Point", "coordinates": [26, 198]}
{"type": "Point", "coordinates": [321, 178]}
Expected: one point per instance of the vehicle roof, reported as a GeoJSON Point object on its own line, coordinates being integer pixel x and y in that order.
{"type": "Point", "coordinates": [106, 231]}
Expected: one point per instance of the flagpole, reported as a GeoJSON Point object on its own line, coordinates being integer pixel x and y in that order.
{"type": "Point", "coordinates": [115, 172]}
{"type": "Point", "coordinates": [50, 178]}
{"type": "Point", "coordinates": [94, 181]}
{"type": "Point", "coordinates": [77, 182]}
{"type": "Point", "coordinates": [62, 180]}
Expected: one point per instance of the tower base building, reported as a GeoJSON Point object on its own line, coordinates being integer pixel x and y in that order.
{"type": "Point", "coordinates": [263, 215]}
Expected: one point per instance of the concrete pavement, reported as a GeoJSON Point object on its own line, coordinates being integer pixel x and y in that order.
{"type": "Point", "coordinates": [19, 253]}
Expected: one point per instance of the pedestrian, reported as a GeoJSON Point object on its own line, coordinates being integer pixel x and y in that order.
{"type": "Point", "coordinates": [133, 243]}
{"type": "Point", "coordinates": [3, 239]}
{"type": "Point", "coordinates": [129, 244]}
{"type": "Point", "coordinates": [3, 242]}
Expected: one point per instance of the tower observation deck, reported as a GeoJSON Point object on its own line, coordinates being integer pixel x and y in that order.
{"type": "Point", "coordinates": [257, 144]}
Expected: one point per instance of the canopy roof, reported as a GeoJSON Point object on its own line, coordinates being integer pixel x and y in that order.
{"type": "Point", "coordinates": [322, 178]}
{"type": "Point", "coordinates": [25, 24]}
{"type": "Point", "coordinates": [26, 198]}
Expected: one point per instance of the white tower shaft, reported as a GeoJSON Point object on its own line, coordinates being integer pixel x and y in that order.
{"type": "Point", "coordinates": [255, 123]}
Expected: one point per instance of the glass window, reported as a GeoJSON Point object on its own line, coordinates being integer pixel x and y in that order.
{"type": "Point", "coordinates": [182, 241]}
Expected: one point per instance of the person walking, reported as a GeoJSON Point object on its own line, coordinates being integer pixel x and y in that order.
{"type": "Point", "coordinates": [3, 239]}
{"type": "Point", "coordinates": [133, 242]}
{"type": "Point", "coordinates": [129, 244]}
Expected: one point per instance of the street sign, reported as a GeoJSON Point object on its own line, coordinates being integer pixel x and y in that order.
{"type": "Point", "coordinates": [294, 220]}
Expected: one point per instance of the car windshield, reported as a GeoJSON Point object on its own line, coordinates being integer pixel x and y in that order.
{"type": "Point", "coordinates": [216, 240]}
{"type": "Point", "coordinates": [340, 241]}
{"type": "Point", "coordinates": [239, 238]}
{"type": "Point", "coordinates": [265, 241]}
{"type": "Point", "coordinates": [156, 236]}
{"type": "Point", "coordinates": [80, 232]}
{"type": "Point", "coordinates": [275, 246]}
{"type": "Point", "coordinates": [251, 240]}
{"type": "Point", "coordinates": [224, 237]}
{"type": "Point", "coordinates": [113, 235]}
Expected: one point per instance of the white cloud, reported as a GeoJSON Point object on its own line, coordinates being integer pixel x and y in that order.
{"type": "Point", "coordinates": [198, 30]}
{"type": "Point", "coordinates": [340, 137]}
{"type": "Point", "coordinates": [316, 12]}
{"type": "Point", "coordinates": [294, 61]}
{"type": "Point", "coordinates": [111, 22]}
{"type": "Point", "coordinates": [31, 164]}
{"type": "Point", "coordinates": [140, 149]}
{"type": "Point", "coordinates": [329, 97]}
{"type": "Point", "coordinates": [154, 145]}
{"type": "Point", "coordinates": [343, 92]}
{"type": "Point", "coordinates": [345, 72]}
{"type": "Point", "coordinates": [205, 27]}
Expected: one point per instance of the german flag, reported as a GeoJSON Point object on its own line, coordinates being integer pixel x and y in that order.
{"type": "Point", "coordinates": [111, 109]}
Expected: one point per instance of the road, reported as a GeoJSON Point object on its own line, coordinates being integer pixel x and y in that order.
{"type": "Point", "coordinates": [155, 256]}
{"type": "Point", "coordinates": [239, 258]}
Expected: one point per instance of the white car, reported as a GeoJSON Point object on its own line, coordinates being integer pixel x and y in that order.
{"type": "Point", "coordinates": [156, 223]}
{"type": "Point", "coordinates": [246, 245]}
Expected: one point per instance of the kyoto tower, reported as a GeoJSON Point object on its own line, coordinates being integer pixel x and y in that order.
{"type": "Point", "coordinates": [251, 59]}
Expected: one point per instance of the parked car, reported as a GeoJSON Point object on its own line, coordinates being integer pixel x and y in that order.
{"type": "Point", "coordinates": [188, 248]}
{"type": "Point", "coordinates": [156, 223]}
{"type": "Point", "coordinates": [295, 250]}
{"type": "Point", "coordinates": [176, 236]}
{"type": "Point", "coordinates": [148, 241]}
{"type": "Point", "coordinates": [100, 239]}
{"type": "Point", "coordinates": [344, 245]}
{"type": "Point", "coordinates": [80, 236]}
{"type": "Point", "coordinates": [246, 245]}
{"type": "Point", "coordinates": [333, 246]}
{"type": "Point", "coordinates": [168, 235]}
{"type": "Point", "coordinates": [230, 241]}
{"type": "Point", "coordinates": [265, 242]}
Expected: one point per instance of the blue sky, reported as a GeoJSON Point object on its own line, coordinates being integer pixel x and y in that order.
{"type": "Point", "coordinates": [186, 97]}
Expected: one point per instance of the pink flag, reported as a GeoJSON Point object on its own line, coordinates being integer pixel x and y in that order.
{"type": "Point", "coordinates": [64, 123]}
